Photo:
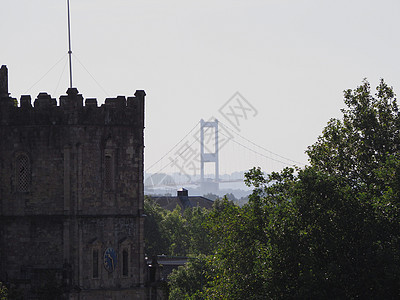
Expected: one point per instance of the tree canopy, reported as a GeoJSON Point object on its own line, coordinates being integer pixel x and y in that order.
{"type": "Point", "coordinates": [176, 232]}
{"type": "Point", "coordinates": [327, 231]}
{"type": "Point", "coordinates": [364, 142]}
{"type": "Point", "coordinates": [330, 230]}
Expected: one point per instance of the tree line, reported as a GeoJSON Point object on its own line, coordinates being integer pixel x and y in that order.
{"type": "Point", "coordinates": [329, 230]}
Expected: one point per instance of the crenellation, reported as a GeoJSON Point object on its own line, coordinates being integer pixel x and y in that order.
{"type": "Point", "coordinates": [71, 177]}
{"type": "Point", "coordinates": [6, 102]}
{"type": "Point", "coordinates": [72, 100]}
{"type": "Point", "coordinates": [118, 102]}
{"type": "Point", "coordinates": [116, 111]}
{"type": "Point", "coordinates": [120, 110]}
{"type": "Point", "coordinates": [3, 82]}
{"type": "Point", "coordinates": [25, 101]}
{"type": "Point", "coordinates": [91, 102]}
{"type": "Point", "coordinates": [44, 101]}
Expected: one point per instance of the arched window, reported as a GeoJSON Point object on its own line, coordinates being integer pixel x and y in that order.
{"type": "Point", "coordinates": [125, 263]}
{"type": "Point", "coordinates": [125, 252]}
{"type": "Point", "coordinates": [95, 248]}
{"type": "Point", "coordinates": [109, 167]}
{"type": "Point", "coordinates": [23, 173]}
{"type": "Point", "coordinates": [95, 263]}
{"type": "Point", "coordinates": [108, 172]}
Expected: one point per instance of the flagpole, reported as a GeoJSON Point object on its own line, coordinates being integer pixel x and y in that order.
{"type": "Point", "coordinates": [69, 51]}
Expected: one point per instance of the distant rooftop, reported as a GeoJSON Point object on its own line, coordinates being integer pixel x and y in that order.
{"type": "Point", "coordinates": [183, 200]}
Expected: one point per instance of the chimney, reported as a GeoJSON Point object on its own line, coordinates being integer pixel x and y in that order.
{"type": "Point", "coordinates": [183, 193]}
{"type": "Point", "coordinates": [183, 196]}
{"type": "Point", "coordinates": [3, 82]}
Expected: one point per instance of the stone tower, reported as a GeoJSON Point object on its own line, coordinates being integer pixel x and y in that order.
{"type": "Point", "coordinates": [71, 196]}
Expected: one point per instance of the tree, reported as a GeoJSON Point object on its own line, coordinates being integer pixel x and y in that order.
{"type": "Point", "coordinates": [238, 239]}
{"type": "Point", "coordinates": [366, 139]}
{"type": "Point", "coordinates": [175, 232]}
{"type": "Point", "coordinates": [329, 230]}
{"type": "Point", "coordinates": [165, 231]}
{"type": "Point", "coordinates": [363, 149]}
{"type": "Point", "coordinates": [198, 235]}
{"type": "Point", "coordinates": [188, 281]}
{"type": "Point", "coordinates": [156, 241]}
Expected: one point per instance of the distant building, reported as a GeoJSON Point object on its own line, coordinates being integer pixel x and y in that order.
{"type": "Point", "coordinates": [162, 265]}
{"type": "Point", "coordinates": [71, 196]}
{"type": "Point", "coordinates": [183, 200]}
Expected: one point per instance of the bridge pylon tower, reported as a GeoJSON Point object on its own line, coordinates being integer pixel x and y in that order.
{"type": "Point", "coordinates": [207, 157]}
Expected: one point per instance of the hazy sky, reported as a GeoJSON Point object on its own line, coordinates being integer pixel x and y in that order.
{"type": "Point", "coordinates": [291, 60]}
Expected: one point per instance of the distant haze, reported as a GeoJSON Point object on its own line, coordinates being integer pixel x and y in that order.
{"type": "Point", "coordinates": [291, 60]}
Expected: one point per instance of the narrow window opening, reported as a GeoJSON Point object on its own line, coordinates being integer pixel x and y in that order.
{"type": "Point", "coordinates": [108, 178]}
{"type": "Point", "coordinates": [95, 263]}
{"type": "Point", "coordinates": [125, 269]}
{"type": "Point", "coordinates": [23, 173]}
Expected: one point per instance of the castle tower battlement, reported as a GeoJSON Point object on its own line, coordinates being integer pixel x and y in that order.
{"type": "Point", "coordinates": [71, 191]}
{"type": "Point", "coordinates": [73, 109]}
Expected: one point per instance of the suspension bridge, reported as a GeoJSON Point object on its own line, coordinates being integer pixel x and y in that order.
{"type": "Point", "coordinates": [210, 156]}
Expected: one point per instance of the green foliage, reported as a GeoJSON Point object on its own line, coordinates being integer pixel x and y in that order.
{"type": "Point", "coordinates": [188, 281]}
{"type": "Point", "coordinates": [363, 141]}
{"type": "Point", "coordinates": [176, 232]}
{"type": "Point", "coordinates": [237, 236]}
{"type": "Point", "coordinates": [3, 292]}
{"type": "Point", "coordinates": [322, 241]}
{"type": "Point", "coordinates": [329, 230]}
{"type": "Point", "coordinates": [198, 236]}
{"type": "Point", "coordinates": [156, 241]}
{"type": "Point", "coordinates": [241, 201]}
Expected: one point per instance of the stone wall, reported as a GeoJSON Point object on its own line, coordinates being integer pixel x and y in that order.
{"type": "Point", "coordinates": [71, 186]}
